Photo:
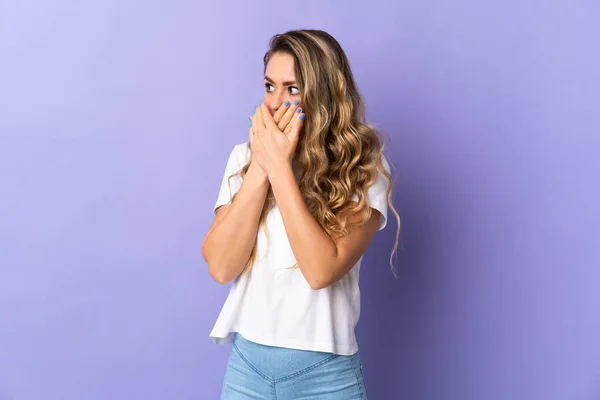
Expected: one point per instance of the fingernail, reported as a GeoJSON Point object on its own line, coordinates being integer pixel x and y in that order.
{"type": "Point", "coordinates": [250, 119]}
{"type": "Point", "coordinates": [302, 117]}
{"type": "Point", "coordinates": [296, 102]}
{"type": "Point", "coordinates": [298, 110]}
{"type": "Point", "coordinates": [287, 103]}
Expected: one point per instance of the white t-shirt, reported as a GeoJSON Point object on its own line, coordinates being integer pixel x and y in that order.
{"type": "Point", "coordinates": [274, 305]}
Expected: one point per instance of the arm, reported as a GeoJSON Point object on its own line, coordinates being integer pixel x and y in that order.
{"type": "Point", "coordinates": [321, 260]}
{"type": "Point", "coordinates": [236, 223]}
{"type": "Point", "coordinates": [229, 241]}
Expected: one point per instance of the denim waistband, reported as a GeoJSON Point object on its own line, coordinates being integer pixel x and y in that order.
{"type": "Point", "coordinates": [276, 363]}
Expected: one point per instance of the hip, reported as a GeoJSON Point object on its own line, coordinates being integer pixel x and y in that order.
{"type": "Point", "coordinates": [256, 371]}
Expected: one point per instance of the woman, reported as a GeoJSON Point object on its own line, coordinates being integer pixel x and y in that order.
{"type": "Point", "coordinates": [298, 206]}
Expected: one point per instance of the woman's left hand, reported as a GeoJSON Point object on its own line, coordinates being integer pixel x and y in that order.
{"type": "Point", "coordinates": [271, 148]}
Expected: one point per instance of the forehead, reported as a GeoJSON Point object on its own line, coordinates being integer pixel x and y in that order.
{"type": "Point", "coordinates": [281, 67]}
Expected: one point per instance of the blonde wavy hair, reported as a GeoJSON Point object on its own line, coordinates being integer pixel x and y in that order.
{"type": "Point", "coordinates": [338, 151]}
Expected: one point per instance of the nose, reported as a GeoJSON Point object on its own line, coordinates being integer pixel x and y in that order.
{"type": "Point", "coordinates": [274, 101]}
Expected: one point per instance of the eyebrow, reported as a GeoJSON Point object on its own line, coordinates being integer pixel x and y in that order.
{"type": "Point", "coordinates": [286, 83]}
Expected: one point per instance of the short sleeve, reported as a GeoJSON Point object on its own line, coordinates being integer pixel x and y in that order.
{"type": "Point", "coordinates": [229, 187]}
{"type": "Point", "coordinates": [377, 194]}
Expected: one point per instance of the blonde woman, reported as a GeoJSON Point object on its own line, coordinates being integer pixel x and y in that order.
{"type": "Point", "coordinates": [298, 206]}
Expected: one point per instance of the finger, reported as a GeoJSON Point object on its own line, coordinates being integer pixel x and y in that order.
{"type": "Point", "coordinates": [259, 123]}
{"type": "Point", "coordinates": [290, 125]}
{"type": "Point", "coordinates": [254, 122]}
{"type": "Point", "coordinates": [288, 116]}
{"type": "Point", "coordinates": [294, 134]}
{"type": "Point", "coordinates": [281, 111]}
{"type": "Point", "coordinates": [267, 118]}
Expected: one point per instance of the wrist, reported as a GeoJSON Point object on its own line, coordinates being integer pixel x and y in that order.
{"type": "Point", "coordinates": [282, 169]}
{"type": "Point", "coordinates": [258, 173]}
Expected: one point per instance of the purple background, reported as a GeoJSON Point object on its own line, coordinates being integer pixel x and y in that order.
{"type": "Point", "coordinates": [116, 120]}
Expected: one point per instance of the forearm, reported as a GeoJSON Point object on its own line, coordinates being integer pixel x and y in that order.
{"type": "Point", "coordinates": [313, 248]}
{"type": "Point", "coordinates": [229, 242]}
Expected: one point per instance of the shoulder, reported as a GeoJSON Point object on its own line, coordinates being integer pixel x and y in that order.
{"type": "Point", "coordinates": [382, 182]}
{"type": "Point", "coordinates": [385, 163]}
{"type": "Point", "coordinates": [242, 152]}
{"type": "Point", "coordinates": [238, 157]}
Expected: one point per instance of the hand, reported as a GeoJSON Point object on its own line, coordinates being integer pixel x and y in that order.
{"type": "Point", "coordinates": [271, 147]}
{"type": "Point", "coordinates": [283, 116]}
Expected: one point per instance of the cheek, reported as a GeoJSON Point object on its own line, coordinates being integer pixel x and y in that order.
{"type": "Point", "coordinates": [270, 94]}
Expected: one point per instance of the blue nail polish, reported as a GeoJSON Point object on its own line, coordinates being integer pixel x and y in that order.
{"type": "Point", "coordinates": [296, 102]}
{"type": "Point", "coordinates": [302, 117]}
{"type": "Point", "coordinates": [287, 103]}
{"type": "Point", "coordinates": [298, 110]}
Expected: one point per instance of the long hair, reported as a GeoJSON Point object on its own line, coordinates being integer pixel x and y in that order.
{"type": "Point", "coordinates": [339, 152]}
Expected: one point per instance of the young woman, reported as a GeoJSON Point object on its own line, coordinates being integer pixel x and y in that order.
{"type": "Point", "coordinates": [298, 206]}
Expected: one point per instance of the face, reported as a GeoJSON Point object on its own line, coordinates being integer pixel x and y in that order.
{"type": "Point", "coordinates": [280, 81]}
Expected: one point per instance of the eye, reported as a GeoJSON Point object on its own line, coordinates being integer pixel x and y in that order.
{"type": "Point", "coordinates": [294, 90]}
{"type": "Point", "coordinates": [267, 86]}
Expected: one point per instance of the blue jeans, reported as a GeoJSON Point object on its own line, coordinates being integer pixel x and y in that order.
{"type": "Point", "coordinates": [258, 372]}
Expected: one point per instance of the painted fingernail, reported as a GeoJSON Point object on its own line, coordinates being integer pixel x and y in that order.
{"type": "Point", "coordinates": [298, 110]}
{"type": "Point", "coordinates": [287, 103]}
{"type": "Point", "coordinates": [302, 117]}
{"type": "Point", "coordinates": [296, 102]}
